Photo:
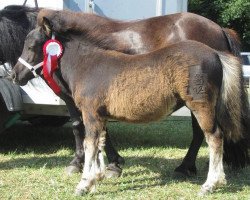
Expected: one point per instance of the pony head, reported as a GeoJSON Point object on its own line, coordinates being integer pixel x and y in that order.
{"type": "Point", "coordinates": [31, 60]}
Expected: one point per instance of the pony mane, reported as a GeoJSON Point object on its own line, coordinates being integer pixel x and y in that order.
{"type": "Point", "coordinates": [16, 11]}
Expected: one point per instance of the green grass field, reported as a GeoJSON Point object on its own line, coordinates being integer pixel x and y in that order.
{"type": "Point", "coordinates": [33, 160]}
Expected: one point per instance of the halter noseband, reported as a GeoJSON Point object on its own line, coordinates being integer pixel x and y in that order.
{"type": "Point", "coordinates": [30, 67]}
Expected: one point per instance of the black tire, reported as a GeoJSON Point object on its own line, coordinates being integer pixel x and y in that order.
{"type": "Point", "coordinates": [51, 121]}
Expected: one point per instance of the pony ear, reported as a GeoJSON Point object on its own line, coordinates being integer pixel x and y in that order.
{"type": "Point", "coordinates": [47, 27]}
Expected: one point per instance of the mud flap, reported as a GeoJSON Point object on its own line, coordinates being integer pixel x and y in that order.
{"type": "Point", "coordinates": [10, 103]}
{"type": "Point", "coordinates": [11, 95]}
{"type": "Point", "coordinates": [7, 118]}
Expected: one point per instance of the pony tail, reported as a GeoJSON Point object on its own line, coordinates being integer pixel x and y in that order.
{"type": "Point", "coordinates": [234, 45]}
{"type": "Point", "coordinates": [233, 41]}
{"type": "Point", "coordinates": [232, 112]}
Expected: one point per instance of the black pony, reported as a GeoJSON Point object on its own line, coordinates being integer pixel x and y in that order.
{"type": "Point", "coordinates": [15, 23]}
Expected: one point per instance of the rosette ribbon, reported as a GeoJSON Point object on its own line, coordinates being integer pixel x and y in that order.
{"type": "Point", "coordinates": [52, 51]}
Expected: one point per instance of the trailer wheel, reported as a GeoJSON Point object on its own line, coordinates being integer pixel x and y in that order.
{"type": "Point", "coordinates": [51, 121]}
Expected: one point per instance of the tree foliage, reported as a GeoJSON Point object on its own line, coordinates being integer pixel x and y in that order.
{"type": "Point", "coordinates": [233, 14]}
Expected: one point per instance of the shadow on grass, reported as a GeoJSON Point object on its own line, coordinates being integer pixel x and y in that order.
{"type": "Point", "coordinates": [24, 137]}
{"type": "Point", "coordinates": [161, 168]}
{"type": "Point", "coordinates": [36, 162]}
{"type": "Point", "coordinates": [164, 166]}
{"type": "Point", "coordinates": [237, 181]}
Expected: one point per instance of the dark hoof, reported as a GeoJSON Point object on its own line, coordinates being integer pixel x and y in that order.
{"type": "Point", "coordinates": [113, 171]}
{"type": "Point", "coordinates": [121, 161]}
{"type": "Point", "coordinates": [70, 170]}
{"type": "Point", "coordinates": [182, 172]}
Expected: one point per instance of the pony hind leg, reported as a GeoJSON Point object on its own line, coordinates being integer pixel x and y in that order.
{"type": "Point", "coordinates": [188, 167]}
{"type": "Point", "coordinates": [216, 175]}
{"type": "Point", "coordinates": [205, 115]}
{"type": "Point", "coordinates": [115, 161]}
{"type": "Point", "coordinates": [76, 164]}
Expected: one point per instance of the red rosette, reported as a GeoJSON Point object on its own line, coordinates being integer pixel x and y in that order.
{"type": "Point", "coordinates": [52, 50]}
{"type": "Point", "coordinates": [53, 47]}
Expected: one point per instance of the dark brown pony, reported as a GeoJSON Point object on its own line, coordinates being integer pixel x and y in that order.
{"type": "Point", "coordinates": [141, 88]}
{"type": "Point", "coordinates": [143, 36]}
{"type": "Point", "coordinates": [15, 23]}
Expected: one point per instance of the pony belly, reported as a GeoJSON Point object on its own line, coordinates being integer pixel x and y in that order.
{"type": "Point", "coordinates": [143, 111]}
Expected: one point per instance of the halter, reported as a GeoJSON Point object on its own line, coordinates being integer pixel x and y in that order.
{"type": "Point", "coordinates": [30, 67]}
{"type": "Point", "coordinates": [33, 68]}
{"type": "Point", "coordinates": [52, 51]}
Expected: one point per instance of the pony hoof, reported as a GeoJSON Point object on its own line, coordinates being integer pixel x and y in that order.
{"type": "Point", "coordinates": [80, 192]}
{"type": "Point", "coordinates": [121, 161]}
{"type": "Point", "coordinates": [205, 191]}
{"type": "Point", "coordinates": [70, 170]}
{"type": "Point", "coordinates": [100, 176]}
{"type": "Point", "coordinates": [85, 187]}
{"type": "Point", "coordinates": [113, 171]}
{"type": "Point", "coordinates": [182, 172]}
{"type": "Point", "coordinates": [179, 175]}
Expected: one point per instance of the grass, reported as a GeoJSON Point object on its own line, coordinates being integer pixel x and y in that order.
{"type": "Point", "coordinates": [32, 163]}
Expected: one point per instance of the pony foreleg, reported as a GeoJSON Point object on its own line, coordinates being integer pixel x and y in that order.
{"type": "Point", "coordinates": [88, 180]}
{"type": "Point", "coordinates": [115, 160]}
{"type": "Point", "coordinates": [76, 165]}
{"type": "Point", "coordinates": [216, 175]}
{"type": "Point", "coordinates": [94, 167]}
